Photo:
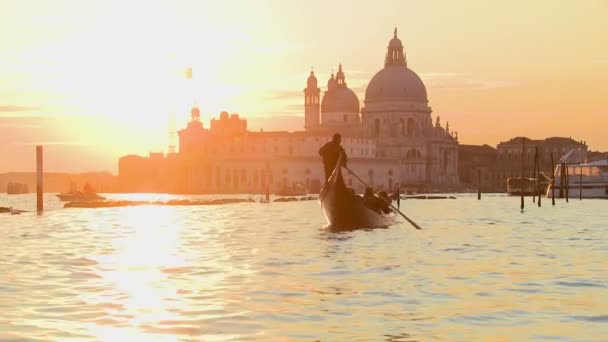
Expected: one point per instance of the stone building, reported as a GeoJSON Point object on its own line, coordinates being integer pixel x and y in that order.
{"type": "Point", "coordinates": [477, 166]}
{"type": "Point", "coordinates": [509, 158]}
{"type": "Point", "coordinates": [390, 141]}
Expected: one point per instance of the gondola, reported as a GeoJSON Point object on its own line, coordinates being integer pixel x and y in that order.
{"type": "Point", "coordinates": [345, 210]}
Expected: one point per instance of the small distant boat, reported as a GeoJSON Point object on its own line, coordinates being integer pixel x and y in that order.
{"type": "Point", "coordinates": [16, 188]}
{"type": "Point", "coordinates": [585, 180]}
{"type": "Point", "coordinates": [87, 195]}
{"type": "Point", "coordinates": [79, 197]}
{"type": "Point", "coordinates": [346, 210]}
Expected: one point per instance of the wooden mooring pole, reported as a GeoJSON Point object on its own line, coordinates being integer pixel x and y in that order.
{"type": "Point", "coordinates": [567, 181]}
{"type": "Point", "coordinates": [552, 181]}
{"type": "Point", "coordinates": [39, 185]}
{"type": "Point", "coordinates": [521, 183]}
{"type": "Point", "coordinates": [580, 184]}
{"type": "Point", "coordinates": [562, 179]}
{"type": "Point", "coordinates": [538, 185]}
{"type": "Point", "coordinates": [534, 172]}
{"type": "Point", "coordinates": [479, 184]}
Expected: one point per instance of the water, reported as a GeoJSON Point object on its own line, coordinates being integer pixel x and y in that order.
{"type": "Point", "coordinates": [480, 270]}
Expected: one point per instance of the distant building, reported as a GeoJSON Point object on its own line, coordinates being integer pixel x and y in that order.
{"type": "Point", "coordinates": [597, 155]}
{"type": "Point", "coordinates": [509, 159]}
{"type": "Point", "coordinates": [62, 182]}
{"type": "Point", "coordinates": [390, 141]}
{"type": "Point", "coordinates": [477, 165]}
{"type": "Point", "coordinates": [228, 158]}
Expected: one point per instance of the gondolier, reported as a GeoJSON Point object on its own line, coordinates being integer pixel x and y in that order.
{"type": "Point", "coordinates": [330, 153]}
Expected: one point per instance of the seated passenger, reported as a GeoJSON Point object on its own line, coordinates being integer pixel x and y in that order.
{"type": "Point", "coordinates": [385, 201]}
{"type": "Point", "coordinates": [371, 201]}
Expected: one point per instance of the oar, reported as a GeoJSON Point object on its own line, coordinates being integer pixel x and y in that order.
{"type": "Point", "coordinates": [392, 206]}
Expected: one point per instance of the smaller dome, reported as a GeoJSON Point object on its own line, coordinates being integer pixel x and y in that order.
{"type": "Point", "coordinates": [340, 99]}
{"type": "Point", "coordinates": [331, 83]}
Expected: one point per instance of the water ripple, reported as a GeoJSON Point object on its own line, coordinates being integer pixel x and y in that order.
{"type": "Point", "coordinates": [480, 270]}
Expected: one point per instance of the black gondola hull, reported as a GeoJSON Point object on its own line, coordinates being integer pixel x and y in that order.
{"type": "Point", "coordinates": [345, 210]}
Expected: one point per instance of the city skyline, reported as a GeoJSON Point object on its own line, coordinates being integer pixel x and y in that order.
{"type": "Point", "coordinates": [88, 83]}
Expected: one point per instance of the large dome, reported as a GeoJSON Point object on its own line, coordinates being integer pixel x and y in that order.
{"type": "Point", "coordinates": [340, 99]}
{"type": "Point", "coordinates": [396, 82]}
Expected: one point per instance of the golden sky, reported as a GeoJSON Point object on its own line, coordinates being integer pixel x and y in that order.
{"type": "Point", "coordinates": [101, 79]}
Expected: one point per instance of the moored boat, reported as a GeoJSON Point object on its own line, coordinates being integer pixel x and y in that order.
{"type": "Point", "coordinates": [585, 180]}
{"type": "Point", "coordinates": [343, 209]}
{"type": "Point", "coordinates": [87, 194]}
{"type": "Point", "coordinates": [79, 197]}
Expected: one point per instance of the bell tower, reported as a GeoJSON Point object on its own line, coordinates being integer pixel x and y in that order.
{"type": "Point", "coordinates": [311, 103]}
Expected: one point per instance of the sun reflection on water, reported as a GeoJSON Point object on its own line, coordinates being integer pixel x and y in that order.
{"type": "Point", "coordinates": [136, 271]}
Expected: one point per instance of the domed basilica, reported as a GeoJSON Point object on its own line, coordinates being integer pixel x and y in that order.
{"type": "Point", "coordinates": [396, 114]}
{"type": "Point", "coordinates": [391, 142]}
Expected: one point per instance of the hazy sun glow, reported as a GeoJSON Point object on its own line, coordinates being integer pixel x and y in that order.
{"type": "Point", "coordinates": [106, 78]}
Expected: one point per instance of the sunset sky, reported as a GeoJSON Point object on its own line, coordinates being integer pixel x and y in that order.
{"type": "Point", "coordinates": [95, 80]}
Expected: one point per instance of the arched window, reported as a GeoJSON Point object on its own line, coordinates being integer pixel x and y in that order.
{"type": "Point", "coordinates": [377, 127]}
{"type": "Point", "coordinates": [410, 127]}
{"type": "Point", "coordinates": [402, 126]}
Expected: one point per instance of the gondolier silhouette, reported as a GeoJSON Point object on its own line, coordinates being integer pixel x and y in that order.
{"type": "Point", "coordinates": [330, 153]}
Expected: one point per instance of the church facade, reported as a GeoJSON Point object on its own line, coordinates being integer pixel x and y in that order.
{"type": "Point", "coordinates": [391, 141]}
{"type": "Point", "coordinates": [396, 115]}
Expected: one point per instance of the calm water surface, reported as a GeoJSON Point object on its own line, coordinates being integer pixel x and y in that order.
{"type": "Point", "coordinates": [481, 270]}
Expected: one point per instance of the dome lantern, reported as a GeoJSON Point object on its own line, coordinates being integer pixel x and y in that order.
{"type": "Point", "coordinates": [396, 82]}
{"type": "Point", "coordinates": [395, 55]}
{"type": "Point", "coordinates": [340, 78]}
